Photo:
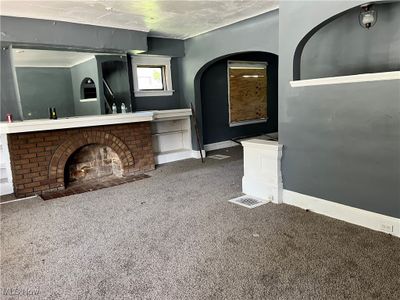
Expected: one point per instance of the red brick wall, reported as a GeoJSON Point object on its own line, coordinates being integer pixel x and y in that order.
{"type": "Point", "coordinates": [38, 159]}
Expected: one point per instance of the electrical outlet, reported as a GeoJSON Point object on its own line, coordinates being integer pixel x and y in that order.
{"type": "Point", "coordinates": [387, 228]}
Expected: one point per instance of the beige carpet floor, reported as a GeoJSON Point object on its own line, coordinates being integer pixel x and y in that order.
{"type": "Point", "coordinates": [175, 236]}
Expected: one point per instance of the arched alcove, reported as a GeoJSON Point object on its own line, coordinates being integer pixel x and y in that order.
{"type": "Point", "coordinates": [340, 46]}
{"type": "Point", "coordinates": [211, 90]}
{"type": "Point", "coordinates": [88, 89]}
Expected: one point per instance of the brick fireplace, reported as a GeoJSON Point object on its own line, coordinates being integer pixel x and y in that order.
{"type": "Point", "coordinates": [43, 161]}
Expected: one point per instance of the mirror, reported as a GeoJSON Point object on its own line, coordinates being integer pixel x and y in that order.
{"type": "Point", "coordinates": [75, 83]}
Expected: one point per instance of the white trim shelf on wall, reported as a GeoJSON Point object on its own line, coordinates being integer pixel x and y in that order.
{"type": "Point", "coordinates": [395, 75]}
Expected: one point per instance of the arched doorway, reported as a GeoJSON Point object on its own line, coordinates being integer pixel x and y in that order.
{"type": "Point", "coordinates": [212, 90]}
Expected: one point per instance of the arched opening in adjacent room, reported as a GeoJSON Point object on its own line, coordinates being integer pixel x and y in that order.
{"type": "Point", "coordinates": [217, 84]}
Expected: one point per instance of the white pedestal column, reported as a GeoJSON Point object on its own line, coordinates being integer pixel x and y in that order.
{"type": "Point", "coordinates": [262, 170]}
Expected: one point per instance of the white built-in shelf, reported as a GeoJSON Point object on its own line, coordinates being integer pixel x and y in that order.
{"type": "Point", "coordinates": [172, 114]}
{"type": "Point", "coordinates": [395, 75]}
{"type": "Point", "coordinates": [169, 132]}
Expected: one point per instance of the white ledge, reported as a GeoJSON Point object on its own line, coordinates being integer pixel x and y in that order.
{"type": "Point", "coordinates": [395, 75]}
{"type": "Point", "coordinates": [88, 121]}
{"type": "Point", "coordinates": [154, 93]}
{"type": "Point", "coordinates": [172, 114]}
{"type": "Point", "coordinates": [88, 100]}
{"type": "Point", "coordinates": [262, 144]}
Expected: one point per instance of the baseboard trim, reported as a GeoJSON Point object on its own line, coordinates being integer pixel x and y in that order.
{"type": "Point", "coordinates": [167, 157]}
{"type": "Point", "coordinates": [345, 213]}
{"type": "Point", "coordinates": [220, 145]}
{"type": "Point", "coordinates": [196, 154]}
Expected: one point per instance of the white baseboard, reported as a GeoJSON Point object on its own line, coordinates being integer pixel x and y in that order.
{"type": "Point", "coordinates": [196, 154]}
{"type": "Point", "coordinates": [167, 157]}
{"type": "Point", "coordinates": [345, 213]}
{"type": "Point", "coordinates": [171, 156]}
{"type": "Point", "coordinates": [220, 145]}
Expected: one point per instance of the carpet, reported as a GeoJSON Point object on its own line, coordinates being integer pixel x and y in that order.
{"type": "Point", "coordinates": [176, 236]}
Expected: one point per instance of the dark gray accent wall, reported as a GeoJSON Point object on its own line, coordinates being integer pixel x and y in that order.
{"type": "Point", "coordinates": [163, 102]}
{"type": "Point", "coordinates": [330, 52]}
{"type": "Point", "coordinates": [65, 35]}
{"type": "Point", "coordinates": [341, 142]}
{"type": "Point", "coordinates": [41, 88]}
{"type": "Point", "coordinates": [168, 47]}
{"type": "Point", "coordinates": [214, 100]}
{"type": "Point", "coordinates": [78, 73]}
{"type": "Point", "coordinates": [10, 101]}
{"type": "Point", "coordinates": [115, 72]}
{"type": "Point", "coordinates": [256, 34]}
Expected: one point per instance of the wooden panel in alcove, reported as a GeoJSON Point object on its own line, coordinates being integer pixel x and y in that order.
{"type": "Point", "coordinates": [247, 94]}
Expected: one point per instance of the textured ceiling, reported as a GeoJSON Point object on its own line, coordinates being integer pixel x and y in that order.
{"type": "Point", "coordinates": [162, 18]}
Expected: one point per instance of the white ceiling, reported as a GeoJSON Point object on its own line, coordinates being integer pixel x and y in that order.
{"type": "Point", "coordinates": [49, 58]}
{"type": "Point", "coordinates": [161, 18]}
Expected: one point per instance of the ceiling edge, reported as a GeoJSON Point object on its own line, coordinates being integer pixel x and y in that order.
{"type": "Point", "coordinates": [234, 22]}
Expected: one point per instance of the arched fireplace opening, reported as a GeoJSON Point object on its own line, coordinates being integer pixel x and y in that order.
{"type": "Point", "coordinates": [92, 162]}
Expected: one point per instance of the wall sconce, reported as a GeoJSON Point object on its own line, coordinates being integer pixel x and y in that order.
{"type": "Point", "coordinates": [367, 16]}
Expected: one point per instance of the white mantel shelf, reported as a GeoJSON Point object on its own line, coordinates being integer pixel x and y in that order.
{"type": "Point", "coordinates": [88, 121]}
{"type": "Point", "coordinates": [395, 75]}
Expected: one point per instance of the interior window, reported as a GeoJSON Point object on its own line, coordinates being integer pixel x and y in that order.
{"type": "Point", "coordinates": [151, 78]}
{"type": "Point", "coordinates": [247, 90]}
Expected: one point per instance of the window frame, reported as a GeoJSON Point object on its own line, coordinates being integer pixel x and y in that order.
{"type": "Point", "coordinates": [162, 76]}
{"type": "Point", "coordinates": [157, 62]}
{"type": "Point", "coordinates": [234, 64]}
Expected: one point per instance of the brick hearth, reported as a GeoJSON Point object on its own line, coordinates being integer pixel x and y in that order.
{"type": "Point", "coordinates": [38, 159]}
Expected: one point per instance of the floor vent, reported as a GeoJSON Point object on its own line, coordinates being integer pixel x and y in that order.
{"type": "Point", "coordinates": [248, 201]}
{"type": "Point", "coordinates": [218, 156]}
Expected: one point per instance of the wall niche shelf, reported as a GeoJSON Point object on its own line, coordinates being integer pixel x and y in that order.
{"type": "Point", "coordinates": [395, 75]}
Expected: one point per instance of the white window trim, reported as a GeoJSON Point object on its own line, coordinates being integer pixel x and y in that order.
{"type": "Point", "coordinates": [149, 60]}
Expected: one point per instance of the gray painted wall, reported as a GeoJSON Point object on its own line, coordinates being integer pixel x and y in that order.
{"type": "Point", "coordinates": [243, 36]}
{"type": "Point", "coordinates": [65, 35]}
{"type": "Point", "coordinates": [215, 106]}
{"type": "Point", "coordinates": [41, 88]}
{"type": "Point", "coordinates": [10, 102]}
{"type": "Point", "coordinates": [78, 73]}
{"type": "Point", "coordinates": [168, 47]}
{"type": "Point", "coordinates": [329, 52]}
{"type": "Point", "coordinates": [341, 142]}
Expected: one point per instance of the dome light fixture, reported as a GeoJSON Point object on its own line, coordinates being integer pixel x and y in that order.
{"type": "Point", "coordinates": [367, 16]}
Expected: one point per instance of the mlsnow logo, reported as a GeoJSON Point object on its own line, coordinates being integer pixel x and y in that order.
{"type": "Point", "coordinates": [20, 291]}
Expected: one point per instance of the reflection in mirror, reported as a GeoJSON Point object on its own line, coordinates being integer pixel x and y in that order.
{"type": "Point", "coordinates": [88, 90]}
{"type": "Point", "coordinates": [75, 83]}
{"type": "Point", "coordinates": [116, 85]}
